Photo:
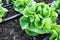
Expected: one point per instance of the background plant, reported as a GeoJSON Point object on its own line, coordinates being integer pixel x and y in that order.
{"type": "Point", "coordinates": [56, 6]}
{"type": "Point", "coordinates": [3, 11]}
{"type": "Point", "coordinates": [19, 5]}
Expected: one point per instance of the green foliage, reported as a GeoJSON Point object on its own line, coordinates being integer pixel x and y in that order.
{"type": "Point", "coordinates": [38, 19]}
{"type": "Point", "coordinates": [19, 5]}
{"type": "Point", "coordinates": [56, 6]}
{"type": "Point", "coordinates": [3, 12]}
{"type": "Point", "coordinates": [55, 33]}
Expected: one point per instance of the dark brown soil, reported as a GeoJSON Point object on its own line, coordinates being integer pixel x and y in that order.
{"type": "Point", "coordinates": [11, 30]}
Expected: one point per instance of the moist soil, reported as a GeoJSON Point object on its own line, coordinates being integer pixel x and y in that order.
{"type": "Point", "coordinates": [11, 29]}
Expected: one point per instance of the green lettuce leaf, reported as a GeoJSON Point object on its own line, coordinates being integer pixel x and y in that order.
{"type": "Point", "coordinates": [30, 33]}
{"type": "Point", "coordinates": [31, 18]}
{"type": "Point", "coordinates": [24, 22]}
{"type": "Point", "coordinates": [54, 35]}
{"type": "Point", "coordinates": [19, 5]}
{"type": "Point", "coordinates": [35, 29]}
{"type": "Point", "coordinates": [47, 26]}
{"type": "Point", "coordinates": [29, 11]}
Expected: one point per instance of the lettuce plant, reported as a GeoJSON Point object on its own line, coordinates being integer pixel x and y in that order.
{"type": "Point", "coordinates": [38, 19]}
{"type": "Point", "coordinates": [56, 6]}
{"type": "Point", "coordinates": [19, 5]}
{"type": "Point", "coordinates": [3, 12]}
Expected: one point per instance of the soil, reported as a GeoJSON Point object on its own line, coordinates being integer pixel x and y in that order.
{"type": "Point", "coordinates": [11, 30]}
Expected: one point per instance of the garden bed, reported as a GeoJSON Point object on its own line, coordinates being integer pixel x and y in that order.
{"type": "Point", "coordinates": [11, 30]}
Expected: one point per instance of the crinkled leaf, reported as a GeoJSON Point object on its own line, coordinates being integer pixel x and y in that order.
{"type": "Point", "coordinates": [47, 25]}
{"type": "Point", "coordinates": [43, 10]}
{"type": "Point", "coordinates": [29, 11]}
{"type": "Point", "coordinates": [31, 18]}
{"type": "Point", "coordinates": [40, 16]}
{"type": "Point", "coordinates": [46, 12]}
{"type": "Point", "coordinates": [22, 3]}
{"type": "Point", "coordinates": [24, 22]}
{"type": "Point", "coordinates": [30, 33]}
{"type": "Point", "coordinates": [19, 5]}
{"type": "Point", "coordinates": [54, 35]}
{"type": "Point", "coordinates": [53, 13]}
{"type": "Point", "coordinates": [19, 9]}
{"type": "Point", "coordinates": [3, 12]}
{"type": "Point", "coordinates": [39, 10]}
{"type": "Point", "coordinates": [38, 22]}
{"type": "Point", "coordinates": [56, 28]}
{"type": "Point", "coordinates": [35, 29]}
{"type": "Point", "coordinates": [53, 16]}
